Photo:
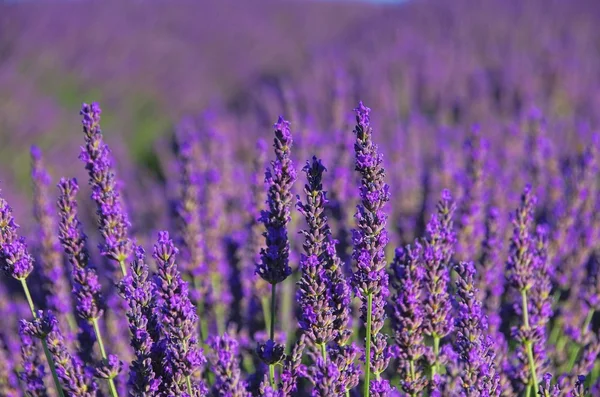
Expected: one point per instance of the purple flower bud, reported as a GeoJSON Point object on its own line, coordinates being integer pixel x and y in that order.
{"type": "Point", "coordinates": [112, 218]}
{"type": "Point", "coordinates": [274, 265]}
{"type": "Point", "coordinates": [226, 366]}
{"type": "Point", "coordinates": [32, 374]}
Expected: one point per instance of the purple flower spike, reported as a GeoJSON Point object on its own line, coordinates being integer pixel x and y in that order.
{"type": "Point", "coordinates": [75, 381]}
{"type": "Point", "coordinates": [86, 286]}
{"type": "Point", "coordinates": [14, 257]}
{"type": "Point", "coordinates": [408, 317]}
{"type": "Point", "coordinates": [226, 365]}
{"type": "Point", "coordinates": [139, 293]}
{"type": "Point", "coordinates": [32, 374]}
{"type": "Point", "coordinates": [112, 218]}
{"type": "Point", "coordinates": [370, 280]}
{"type": "Point", "coordinates": [478, 374]}
{"type": "Point", "coordinates": [274, 264]}
{"type": "Point", "coordinates": [183, 357]}
{"type": "Point", "coordinates": [55, 283]}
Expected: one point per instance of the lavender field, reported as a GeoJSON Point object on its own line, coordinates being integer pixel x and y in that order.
{"type": "Point", "coordinates": [223, 199]}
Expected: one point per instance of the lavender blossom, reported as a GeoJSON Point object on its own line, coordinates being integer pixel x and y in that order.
{"type": "Point", "coordinates": [9, 383]}
{"type": "Point", "coordinates": [86, 286]}
{"type": "Point", "coordinates": [293, 369]}
{"type": "Point", "coordinates": [139, 291]}
{"type": "Point", "coordinates": [479, 377]}
{"type": "Point", "coordinates": [226, 367]}
{"type": "Point", "coordinates": [438, 322]}
{"type": "Point", "coordinates": [546, 388]}
{"type": "Point", "coordinates": [183, 357]}
{"type": "Point", "coordinates": [370, 238]}
{"type": "Point", "coordinates": [407, 318]}
{"type": "Point", "coordinates": [112, 218]}
{"type": "Point", "coordinates": [188, 214]}
{"type": "Point", "coordinates": [74, 380]}
{"type": "Point", "coordinates": [32, 374]}
{"type": "Point", "coordinates": [274, 265]}
{"type": "Point", "coordinates": [15, 260]}
{"type": "Point", "coordinates": [521, 267]}
{"type": "Point", "coordinates": [55, 283]}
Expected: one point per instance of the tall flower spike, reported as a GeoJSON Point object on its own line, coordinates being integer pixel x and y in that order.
{"type": "Point", "coordinates": [274, 264]}
{"type": "Point", "coordinates": [74, 380]}
{"type": "Point", "coordinates": [183, 357]}
{"type": "Point", "coordinates": [478, 374]}
{"type": "Point", "coordinates": [32, 374]}
{"type": "Point", "coordinates": [274, 258]}
{"type": "Point", "coordinates": [314, 295]}
{"type": "Point", "coordinates": [437, 254]}
{"type": "Point", "coordinates": [86, 286]}
{"type": "Point", "coordinates": [9, 383]}
{"type": "Point", "coordinates": [521, 268]}
{"type": "Point", "coordinates": [112, 218]}
{"type": "Point", "coordinates": [408, 316]}
{"type": "Point", "coordinates": [226, 366]}
{"type": "Point", "coordinates": [370, 280]}
{"type": "Point", "coordinates": [55, 283]}
{"type": "Point", "coordinates": [138, 291]}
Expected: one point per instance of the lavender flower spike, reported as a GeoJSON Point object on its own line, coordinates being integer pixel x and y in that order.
{"type": "Point", "coordinates": [370, 238]}
{"type": "Point", "coordinates": [15, 260]}
{"type": "Point", "coordinates": [226, 366]}
{"type": "Point", "coordinates": [75, 382]}
{"type": "Point", "coordinates": [55, 283]}
{"type": "Point", "coordinates": [112, 219]}
{"type": "Point", "coordinates": [520, 268]}
{"type": "Point", "coordinates": [138, 291]}
{"type": "Point", "coordinates": [408, 316]}
{"type": "Point", "coordinates": [274, 264]}
{"type": "Point", "coordinates": [32, 374]}
{"type": "Point", "coordinates": [183, 357]}
{"type": "Point", "coordinates": [478, 373]}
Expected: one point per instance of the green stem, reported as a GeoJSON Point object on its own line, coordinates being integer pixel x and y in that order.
{"type": "Point", "coordinates": [44, 343]}
{"type": "Point", "coordinates": [123, 267]}
{"type": "Point", "coordinates": [368, 343]}
{"type": "Point", "coordinates": [412, 376]}
{"type": "Point", "coordinates": [528, 391]}
{"type": "Point", "coordinates": [111, 382]}
{"type": "Point", "coordinates": [272, 333]}
{"type": "Point", "coordinates": [219, 309]}
{"type": "Point", "coordinates": [324, 352]}
{"type": "Point", "coordinates": [266, 312]}
{"type": "Point", "coordinates": [436, 353]}
{"type": "Point", "coordinates": [528, 345]}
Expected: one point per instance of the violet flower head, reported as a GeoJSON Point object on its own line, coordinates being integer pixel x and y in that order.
{"type": "Point", "coordinates": [138, 292]}
{"type": "Point", "coordinates": [407, 318]}
{"type": "Point", "coordinates": [478, 373]}
{"type": "Point", "coordinates": [293, 369]}
{"type": "Point", "coordinates": [183, 356]}
{"type": "Point", "coordinates": [370, 280]}
{"type": "Point", "coordinates": [112, 218]}
{"type": "Point", "coordinates": [74, 380]}
{"type": "Point", "coordinates": [226, 366]}
{"type": "Point", "coordinates": [274, 265]}
{"type": "Point", "coordinates": [15, 260]}
{"type": "Point", "coordinates": [32, 374]}
{"type": "Point", "coordinates": [9, 382]}
{"type": "Point", "coordinates": [55, 283]}
{"type": "Point", "coordinates": [314, 294]}
{"type": "Point", "coordinates": [520, 261]}
{"type": "Point", "coordinates": [188, 205]}
{"type": "Point", "coordinates": [86, 286]}
{"type": "Point", "coordinates": [546, 388]}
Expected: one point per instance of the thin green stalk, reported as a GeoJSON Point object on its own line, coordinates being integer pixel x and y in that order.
{"type": "Point", "coordinates": [528, 391]}
{"type": "Point", "coordinates": [272, 333]}
{"type": "Point", "coordinates": [578, 348]}
{"type": "Point", "coordinates": [266, 311]}
{"type": "Point", "coordinates": [324, 352]}
{"type": "Point", "coordinates": [219, 312]}
{"type": "Point", "coordinates": [111, 382]}
{"type": "Point", "coordinates": [44, 343]}
{"type": "Point", "coordinates": [528, 345]}
{"type": "Point", "coordinates": [436, 353]}
{"type": "Point", "coordinates": [123, 267]}
{"type": "Point", "coordinates": [412, 376]}
{"type": "Point", "coordinates": [368, 343]}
